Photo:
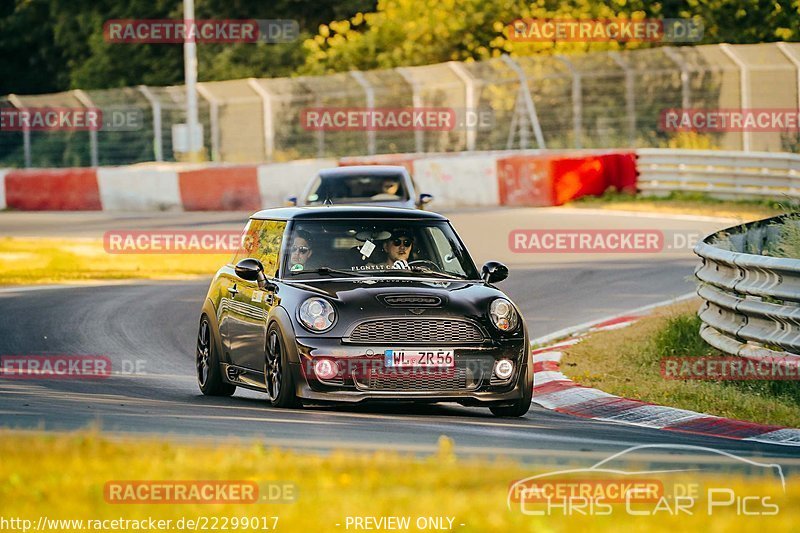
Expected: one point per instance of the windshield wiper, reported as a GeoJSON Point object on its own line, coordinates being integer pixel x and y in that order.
{"type": "Point", "coordinates": [329, 271]}
{"type": "Point", "coordinates": [421, 269]}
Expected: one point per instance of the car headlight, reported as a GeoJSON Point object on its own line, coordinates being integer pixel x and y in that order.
{"type": "Point", "coordinates": [503, 315]}
{"type": "Point", "coordinates": [317, 315]}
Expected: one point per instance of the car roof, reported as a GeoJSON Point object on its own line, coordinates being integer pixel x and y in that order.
{"type": "Point", "coordinates": [344, 212]}
{"type": "Point", "coordinates": [361, 170]}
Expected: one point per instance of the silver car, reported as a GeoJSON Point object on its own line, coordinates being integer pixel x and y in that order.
{"type": "Point", "coordinates": [376, 185]}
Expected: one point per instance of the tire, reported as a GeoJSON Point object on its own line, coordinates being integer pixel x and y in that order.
{"type": "Point", "coordinates": [277, 374]}
{"type": "Point", "coordinates": [520, 406]}
{"type": "Point", "coordinates": [209, 372]}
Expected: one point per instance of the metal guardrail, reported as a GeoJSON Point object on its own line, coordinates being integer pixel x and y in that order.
{"type": "Point", "coordinates": [751, 302]}
{"type": "Point", "coordinates": [720, 173]}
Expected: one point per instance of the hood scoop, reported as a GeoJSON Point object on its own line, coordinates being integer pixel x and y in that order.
{"type": "Point", "coordinates": [410, 300]}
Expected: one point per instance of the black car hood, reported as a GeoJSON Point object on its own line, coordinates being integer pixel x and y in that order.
{"type": "Point", "coordinates": [370, 296]}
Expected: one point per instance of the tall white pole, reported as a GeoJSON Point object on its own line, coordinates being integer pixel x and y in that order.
{"type": "Point", "coordinates": [190, 77]}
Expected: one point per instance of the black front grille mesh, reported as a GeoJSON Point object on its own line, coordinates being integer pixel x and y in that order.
{"type": "Point", "coordinates": [417, 331]}
{"type": "Point", "coordinates": [455, 379]}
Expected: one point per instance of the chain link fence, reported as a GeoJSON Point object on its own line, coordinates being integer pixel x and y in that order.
{"type": "Point", "coordinates": [597, 100]}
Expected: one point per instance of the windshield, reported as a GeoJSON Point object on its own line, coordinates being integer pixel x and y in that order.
{"type": "Point", "coordinates": [359, 188]}
{"type": "Point", "coordinates": [375, 248]}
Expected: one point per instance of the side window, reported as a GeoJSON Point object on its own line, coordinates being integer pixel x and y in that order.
{"type": "Point", "coordinates": [262, 240]}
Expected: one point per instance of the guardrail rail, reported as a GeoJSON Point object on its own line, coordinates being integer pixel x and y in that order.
{"type": "Point", "coordinates": [729, 174]}
{"type": "Point", "coordinates": [751, 302]}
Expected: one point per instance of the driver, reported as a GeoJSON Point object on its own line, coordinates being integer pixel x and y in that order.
{"type": "Point", "coordinates": [398, 249]}
{"type": "Point", "coordinates": [390, 190]}
{"type": "Point", "coordinates": [300, 250]}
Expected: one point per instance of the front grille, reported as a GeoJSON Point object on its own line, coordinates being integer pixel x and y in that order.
{"type": "Point", "coordinates": [416, 331]}
{"type": "Point", "coordinates": [457, 379]}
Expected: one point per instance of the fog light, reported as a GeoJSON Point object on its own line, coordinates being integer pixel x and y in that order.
{"type": "Point", "coordinates": [325, 369]}
{"type": "Point", "coordinates": [503, 369]}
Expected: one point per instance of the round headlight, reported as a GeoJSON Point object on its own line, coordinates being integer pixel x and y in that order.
{"type": "Point", "coordinates": [503, 315]}
{"type": "Point", "coordinates": [317, 315]}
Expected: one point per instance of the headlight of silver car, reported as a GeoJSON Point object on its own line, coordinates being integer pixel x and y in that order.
{"type": "Point", "coordinates": [317, 315]}
{"type": "Point", "coordinates": [503, 315]}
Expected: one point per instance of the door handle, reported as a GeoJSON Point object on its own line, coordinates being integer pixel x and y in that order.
{"type": "Point", "coordinates": [233, 290]}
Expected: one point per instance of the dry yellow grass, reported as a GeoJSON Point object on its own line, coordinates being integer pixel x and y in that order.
{"type": "Point", "coordinates": [45, 260]}
{"type": "Point", "coordinates": [63, 475]}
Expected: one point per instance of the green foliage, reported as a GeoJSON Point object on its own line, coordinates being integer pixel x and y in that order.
{"type": "Point", "coordinates": [680, 337]}
{"type": "Point", "coordinates": [55, 45]}
{"type": "Point", "coordinates": [788, 244]}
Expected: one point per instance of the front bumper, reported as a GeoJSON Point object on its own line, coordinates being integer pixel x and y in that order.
{"type": "Point", "coordinates": [364, 377]}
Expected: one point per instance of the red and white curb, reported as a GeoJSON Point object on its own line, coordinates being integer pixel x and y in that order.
{"type": "Point", "coordinates": [555, 391]}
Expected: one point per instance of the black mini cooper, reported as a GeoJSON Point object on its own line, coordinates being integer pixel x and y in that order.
{"type": "Point", "coordinates": [349, 304]}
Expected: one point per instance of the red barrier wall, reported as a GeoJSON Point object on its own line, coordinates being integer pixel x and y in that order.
{"type": "Point", "coordinates": [220, 189]}
{"type": "Point", "coordinates": [69, 189]}
{"type": "Point", "coordinates": [542, 180]}
{"type": "Point", "coordinates": [525, 180]}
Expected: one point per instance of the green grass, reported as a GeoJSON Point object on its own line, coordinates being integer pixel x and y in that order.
{"type": "Point", "coordinates": [627, 362]}
{"type": "Point", "coordinates": [688, 203]}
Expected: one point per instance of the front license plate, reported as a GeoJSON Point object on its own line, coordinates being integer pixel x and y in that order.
{"type": "Point", "coordinates": [420, 358]}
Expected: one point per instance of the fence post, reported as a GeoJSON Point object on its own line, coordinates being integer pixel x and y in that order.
{"type": "Point", "coordinates": [796, 62]}
{"type": "Point", "coordinates": [525, 94]}
{"type": "Point", "coordinates": [214, 119]}
{"type": "Point", "coordinates": [84, 99]}
{"type": "Point", "coordinates": [266, 117]}
{"type": "Point", "coordinates": [577, 101]}
{"type": "Point", "coordinates": [744, 88]}
{"type": "Point", "coordinates": [686, 89]}
{"type": "Point", "coordinates": [369, 93]}
{"type": "Point", "coordinates": [26, 130]}
{"type": "Point", "coordinates": [469, 98]}
{"type": "Point", "coordinates": [416, 101]}
{"type": "Point", "coordinates": [158, 145]}
{"type": "Point", "coordinates": [630, 95]}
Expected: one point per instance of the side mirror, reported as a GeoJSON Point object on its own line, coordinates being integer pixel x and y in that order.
{"type": "Point", "coordinates": [291, 201]}
{"type": "Point", "coordinates": [425, 198]}
{"type": "Point", "coordinates": [251, 270]}
{"type": "Point", "coordinates": [494, 272]}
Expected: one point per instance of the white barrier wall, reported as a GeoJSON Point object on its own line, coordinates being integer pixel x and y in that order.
{"type": "Point", "coordinates": [469, 180]}
{"type": "Point", "coordinates": [3, 173]}
{"type": "Point", "coordinates": [276, 181]}
{"type": "Point", "coordinates": [139, 189]}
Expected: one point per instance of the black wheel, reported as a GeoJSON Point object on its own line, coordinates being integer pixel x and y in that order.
{"type": "Point", "coordinates": [209, 373]}
{"type": "Point", "coordinates": [277, 375]}
{"type": "Point", "coordinates": [521, 406]}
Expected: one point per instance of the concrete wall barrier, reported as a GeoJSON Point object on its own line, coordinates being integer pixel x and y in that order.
{"type": "Point", "coordinates": [531, 178]}
{"type": "Point", "coordinates": [69, 189]}
{"type": "Point", "coordinates": [139, 189]}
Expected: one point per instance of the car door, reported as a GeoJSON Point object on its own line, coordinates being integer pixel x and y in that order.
{"type": "Point", "coordinates": [250, 304]}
